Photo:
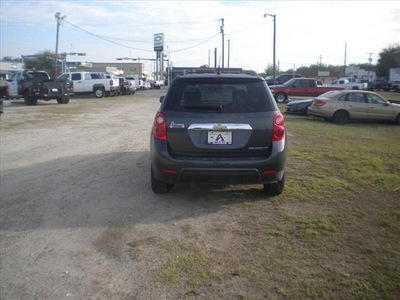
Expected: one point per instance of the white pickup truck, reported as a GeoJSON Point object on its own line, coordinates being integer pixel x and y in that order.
{"type": "Point", "coordinates": [86, 83]}
{"type": "Point", "coordinates": [350, 83]}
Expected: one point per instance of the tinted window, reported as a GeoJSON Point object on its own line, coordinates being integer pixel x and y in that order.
{"type": "Point", "coordinates": [36, 76]}
{"type": "Point", "coordinates": [214, 96]}
{"type": "Point", "coordinates": [76, 76]}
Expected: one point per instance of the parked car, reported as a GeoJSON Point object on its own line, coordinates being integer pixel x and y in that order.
{"type": "Point", "coordinates": [395, 85]}
{"type": "Point", "coordinates": [218, 129]}
{"type": "Point", "coordinates": [123, 88]}
{"type": "Point", "coordinates": [281, 79]}
{"type": "Point", "coordinates": [299, 106]}
{"type": "Point", "coordinates": [139, 82]}
{"type": "Point", "coordinates": [342, 106]}
{"type": "Point", "coordinates": [147, 85]}
{"type": "Point", "coordinates": [130, 86]}
{"type": "Point", "coordinates": [300, 88]}
{"type": "Point", "coordinates": [379, 84]}
{"type": "Point", "coordinates": [350, 83]}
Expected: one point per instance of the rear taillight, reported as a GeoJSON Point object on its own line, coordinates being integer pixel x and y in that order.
{"type": "Point", "coordinates": [160, 127]}
{"type": "Point", "coordinates": [111, 82]}
{"type": "Point", "coordinates": [278, 131]}
{"type": "Point", "coordinates": [319, 103]}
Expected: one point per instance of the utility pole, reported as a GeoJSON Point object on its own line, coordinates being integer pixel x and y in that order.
{"type": "Point", "coordinates": [229, 51]}
{"type": "Point", "coordinates": [215, 59]}
{"type": "Point", "coordinates": [222, 33]}
{"type": "Point", "coordinates": [345, 55]}
{"type": "Point", "coordinates": [58, 20]}
{"type": "Point", "coordinates": [274, 46]}
{"type": "Point", "coordinates": [369, 63]}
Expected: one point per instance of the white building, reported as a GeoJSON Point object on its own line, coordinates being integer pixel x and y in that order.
{"type": "Point", "coordinates": [394, 74]}
{"type": "Point", "coordinates": [354, 71]}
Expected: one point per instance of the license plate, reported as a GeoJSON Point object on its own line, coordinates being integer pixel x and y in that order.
{"type": "Point", "coordinates": [54, 90]}
{"type": "Point", "coordinates": [220, 137]}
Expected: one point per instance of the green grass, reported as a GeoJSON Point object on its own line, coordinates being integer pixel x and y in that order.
{"type": "Point", "coordinates": [333, 234]}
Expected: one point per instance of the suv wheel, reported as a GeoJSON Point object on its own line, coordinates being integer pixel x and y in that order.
{"type": "Point", "coordinates": [397, 121]}
{"type": "Point", "coordinates": [274, 189]}
{"type": "Point", "coordinates": [341, 117]}
{"type": "Point", "coordinates": [99, 92]}
{"type": "Point", "coordinates": [280, 97]}
{"type": "Point", "coordinates": [159, 187]}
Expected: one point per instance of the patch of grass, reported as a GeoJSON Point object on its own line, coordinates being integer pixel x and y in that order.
{"type": "Point", "coordinates": [316, 227]}
{"type": "Point", "coordinates": [193, 269]}
{"type": "Point", "coordinates": [391, 220]}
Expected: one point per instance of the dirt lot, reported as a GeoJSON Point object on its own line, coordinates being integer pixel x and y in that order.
{"type": "Point", "coordinates": [79, 219]}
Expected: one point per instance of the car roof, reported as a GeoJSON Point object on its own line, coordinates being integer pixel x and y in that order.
{"type": "Point", "coordinates": [217, 75]}
{"type": "Point", "coordinates": [340, 92]}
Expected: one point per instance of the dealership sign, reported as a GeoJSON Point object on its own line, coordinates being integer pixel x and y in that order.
{"type": "Point", "coordinates": [159, 42]}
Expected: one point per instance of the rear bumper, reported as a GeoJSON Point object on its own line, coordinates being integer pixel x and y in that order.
{"type": "Point", "coordinates": [216, 171]}
{"type": "Point", "coordinates": [318, 113]}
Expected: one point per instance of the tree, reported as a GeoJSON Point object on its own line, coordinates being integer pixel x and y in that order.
{"type": "Point", "coordinates": [269, 71]}
{"type": "Point", "coordinates": [388, 58]}
{"type": "Point", "coordinates": [41, 61]}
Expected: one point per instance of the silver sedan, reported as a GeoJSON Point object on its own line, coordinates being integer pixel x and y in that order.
{"type": "Point", "coordinates": [342, 106]}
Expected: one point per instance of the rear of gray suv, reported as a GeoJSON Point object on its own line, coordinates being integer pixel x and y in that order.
{"type": "Point", "coordinates": [218, 129]}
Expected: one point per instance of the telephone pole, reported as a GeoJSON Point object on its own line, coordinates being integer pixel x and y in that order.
{"type": "Point", "coordinates": [369, 63]}
{"type": "Point", "coordinates": [58, 20]}
{"type": "Point", "coordinates": [223, 52]}
{"type": "Point", "coordinates": [274, 46]}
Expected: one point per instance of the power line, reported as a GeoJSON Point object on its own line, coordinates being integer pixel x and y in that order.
{"type": "Point", "coordinates": [108, 39]}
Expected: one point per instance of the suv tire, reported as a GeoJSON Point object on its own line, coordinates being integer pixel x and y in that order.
{"type": "Point", "coordinates": [281, 97]}
{"type": "Point", "coordinates": [99, 92]}
{"type": "Point", "coordinates": [159, 187]}
{"type": "Point", "coordinates": [274, 189]}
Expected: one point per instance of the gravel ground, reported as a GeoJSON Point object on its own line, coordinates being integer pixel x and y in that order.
{"type": "Point", "coordinates": [73, 176]}
{"type": "Point", "coordinates": [78, 217]}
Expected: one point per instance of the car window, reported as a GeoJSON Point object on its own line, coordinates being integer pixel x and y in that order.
{"type": "Point", "coordinates": [356, 97]}
{"type": "Point", "coordinates": [219, 97]}
{"type": "Point", "coordinates": [76, 76]}
{"type": "Point", "coordinates": [300, 83]}
{"type": "Point", "coordinates": [87, 76]}
{"type": "Point", "coordinates": [375, 99]}
{"type": "Point", "coordinates": [63, 77]}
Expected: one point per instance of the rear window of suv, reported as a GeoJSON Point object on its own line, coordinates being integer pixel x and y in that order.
{"type": "Point", "coordinates": [226, 95]}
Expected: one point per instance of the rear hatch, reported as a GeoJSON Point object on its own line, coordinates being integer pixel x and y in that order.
{"type": "Point", "coordinates": [219, 118]}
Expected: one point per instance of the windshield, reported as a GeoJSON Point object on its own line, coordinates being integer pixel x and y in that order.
{"type": "Point", "coordinates": [329, 94]}
{"type": "Point", "coordinates": [290, 82]}
{"type": "Point", "coordinates": [212, 96]}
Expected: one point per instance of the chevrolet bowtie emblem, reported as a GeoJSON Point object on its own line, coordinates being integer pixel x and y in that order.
{"type": "Point", "coordinates": [219, 127]}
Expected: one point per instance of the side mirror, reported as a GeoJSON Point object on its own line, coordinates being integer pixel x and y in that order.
{"type": "Point", "coordinates": [162, 99]}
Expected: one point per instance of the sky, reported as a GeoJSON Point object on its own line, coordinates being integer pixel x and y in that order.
{"type": "Point", "coordinates": [307, 32]}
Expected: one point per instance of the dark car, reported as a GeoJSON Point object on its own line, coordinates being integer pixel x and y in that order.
{"type": "Point", "coordinates": [299, 106]}
{"type": "Point", "coordinates": [218, 129]}
{"type": "Point", "coordinates": [281, 79]}
{"type": "Point", "coordinates": [379, 84]}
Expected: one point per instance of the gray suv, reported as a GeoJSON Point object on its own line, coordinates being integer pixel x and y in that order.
{"type": "Point", "coordinates": [218, 129]}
